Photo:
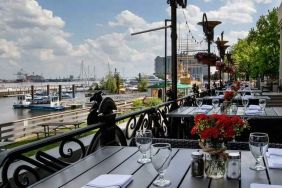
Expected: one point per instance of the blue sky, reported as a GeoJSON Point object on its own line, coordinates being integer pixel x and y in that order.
{"type": "Point", "coordinates": [53, 37]}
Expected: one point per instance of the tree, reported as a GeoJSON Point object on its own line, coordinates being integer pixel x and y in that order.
{"type": "Point", "coordinates": [258, 53]}
{"type": "Point", "coordinates": [118, 80]}
{"type": "Point", "coordinates": [142, 82]}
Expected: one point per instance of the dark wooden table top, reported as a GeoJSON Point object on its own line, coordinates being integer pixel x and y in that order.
{"type": "Point", "coordinates": [123, 160]}
{"type": "Point", "coordinates": [270, 112]}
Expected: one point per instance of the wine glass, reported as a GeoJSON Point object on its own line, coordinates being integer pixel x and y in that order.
{"type": "Point", "coordinates": [199, 102]}
{"type": "Point", "coordinates": [262, 104]}
{"type": "Point", "coordinates": [245, 102]}
{"type": "Point", "coordinates": [215, 103]}
{"type": "Point", "coordinates": [143, 141]}
{"type": "Point", "coordinates": [161, 157]}
{"type": "Point", "coordinates": [258, 143]}
{"type": "Point", "coordinates": [216, 92]}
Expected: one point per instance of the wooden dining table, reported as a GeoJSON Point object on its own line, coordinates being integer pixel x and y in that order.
{"type": "Point", "coordinates": [123, 160]}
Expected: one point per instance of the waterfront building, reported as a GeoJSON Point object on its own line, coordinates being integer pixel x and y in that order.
{"type": "Point", "coordinates": [196, 70]}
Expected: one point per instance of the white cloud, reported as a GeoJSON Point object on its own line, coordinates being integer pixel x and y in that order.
{"type": "Point", "coordinates": [233, 36]}
{"type": "Point", "coordinates": [9, 49]}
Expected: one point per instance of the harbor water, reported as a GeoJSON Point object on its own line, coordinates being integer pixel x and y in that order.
{"type": "Point", "coordinates": [9, 114]}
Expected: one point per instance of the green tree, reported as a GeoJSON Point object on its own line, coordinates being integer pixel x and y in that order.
{"type": "Point", "coordinates": [258, 53]}
{"type": "Point", "coordinates": [143, 82]}
{"type": "Point", "coordinates": [109, 83]}
{"type": "Point", "coordinates": [118, 80]}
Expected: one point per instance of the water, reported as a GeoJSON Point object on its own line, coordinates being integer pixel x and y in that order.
{"type": "Point", "coordinates": [9, 114]}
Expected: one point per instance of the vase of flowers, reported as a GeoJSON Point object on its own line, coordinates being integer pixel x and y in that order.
{"type": "Point", "coordinates": [214, 131]}
{"type": "Point", "coordinates": [228, 96]}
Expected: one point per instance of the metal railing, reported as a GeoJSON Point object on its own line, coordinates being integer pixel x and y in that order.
{"type": "Point", "coordinates": [19, 170]}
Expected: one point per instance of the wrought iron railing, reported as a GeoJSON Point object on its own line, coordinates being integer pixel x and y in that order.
{"type": "Point", "coordinates": [18, 169]}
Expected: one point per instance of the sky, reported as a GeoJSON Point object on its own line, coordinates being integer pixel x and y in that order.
{"type": "Point", "coordinates": [54, 38]}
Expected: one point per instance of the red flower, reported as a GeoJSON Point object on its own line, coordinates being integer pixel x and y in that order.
{"type": "Point", "coordinates": [228, 95]}
{"type": "Point", "coordinates": [218, 127]}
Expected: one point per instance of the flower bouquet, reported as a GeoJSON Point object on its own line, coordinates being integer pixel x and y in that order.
{"type": "Point", "coordinates": [215, 130]}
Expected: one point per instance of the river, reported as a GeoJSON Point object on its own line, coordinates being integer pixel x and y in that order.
{"type": "Point", "coordinates": [8, 113]}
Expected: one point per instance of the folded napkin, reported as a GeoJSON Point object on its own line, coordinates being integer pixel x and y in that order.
{"type": "Point", "coordinates": [252, 112]}
{"type": "Point", "coordinates": [248, 96]}
{"type": "Point", "coordinates": [206, 107]}
{"type": "Point", "coordinates": [110, 181]}
{"type": "Point", "coordinates": [254, 107]}
{"type": "Point", "coordinates": [274, 158]}
{"type": "Point", "coordinates": [274, 151]}
{"type": "Point", "coordinates": [256, 185]}
{"type": "Point", "coordinates": [200, 111]}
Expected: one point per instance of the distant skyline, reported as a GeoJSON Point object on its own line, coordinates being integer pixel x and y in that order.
{"type": "Point", "coordinates": [52, 37]}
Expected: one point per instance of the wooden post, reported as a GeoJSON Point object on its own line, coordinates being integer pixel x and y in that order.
{"type": "Point", "coordinates": [48, 89]}
{"type": "Point", "coordinates": [73, 91]}
{"type": "Point", "coordinates": [32, 92]}
{"type": "Point", "coordinates": [60, 92]}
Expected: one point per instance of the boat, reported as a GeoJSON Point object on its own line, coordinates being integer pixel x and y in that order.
{"type": "Point", "coordinates": [24, 100]}
{"type": "Point", "coordinates": [53, 105]}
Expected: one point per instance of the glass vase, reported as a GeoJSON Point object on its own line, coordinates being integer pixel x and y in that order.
{"type": "Point", "coordinates": [215, 162]}
{"type": "Point", "coordinates": [225, 107]}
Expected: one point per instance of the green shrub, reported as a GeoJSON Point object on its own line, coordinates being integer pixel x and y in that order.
{"type": "Point", "coordinates": [147, 102]}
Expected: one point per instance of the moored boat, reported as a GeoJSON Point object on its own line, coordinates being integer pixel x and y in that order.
{"type": "Point", "coordinates": [24, 100]}
{"type": "Point", "coordinates": [53, 105]}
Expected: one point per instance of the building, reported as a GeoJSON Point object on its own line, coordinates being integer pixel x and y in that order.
{"type": "Point", "coordinates": [280, 23]}
{"type": "Point", "coordinates": [160, 66]}
{"type": "Point", "coordinates": [191, 66]}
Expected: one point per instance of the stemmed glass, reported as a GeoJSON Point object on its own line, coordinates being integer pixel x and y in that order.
{"type": "Point", "coordinates": [215, 103]}
{"type": "Point", "coordinates": [199, 102]}
{"type": "Point", "coordinates": [262, 104]}
{"type": "Point", "coordinates": [161, 157]}
{"type": "Point", "coordinates": [216, 92]}
{"type": "Point", "coordinates": [258, 143]}
{"type": "Point", "coordinates": [245, 102]}
{"type": "Point", "coordinates": [143, 141]}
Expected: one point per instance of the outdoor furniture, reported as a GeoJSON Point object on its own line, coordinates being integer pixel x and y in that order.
{"type": "Point", "coordinates": [123, 160]}
{"type": "Point", "coordinates": [54, 127]}
{"type": "Point", "coordinates": [254, 91]}
{"type": "Point", "coordinates": [252, 99]}
{"type": "Point", "coordinates": [270, 121]}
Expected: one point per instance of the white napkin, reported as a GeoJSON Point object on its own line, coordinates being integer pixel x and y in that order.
{"type": "Point", "coordinates": [254, 107]}
{"type": "Point", "coordinates": [110, 181]}
{"type": "Point", "coordinates": [274, 158]}
{"type": "Point", "coordinates": [206, 107]}
{"type": "Point", "coordinates": [200, 111]}
{"type": "Point", "coordinates": [248, 96]}
{"type": "Point", "coordinates": [252, 112]}
{"type": "Point", "coordinates": [256, 185]}
{"type": "Point", "coordinates": [274, 151]}
{"type": "Point", "coordinates": [218, 97]}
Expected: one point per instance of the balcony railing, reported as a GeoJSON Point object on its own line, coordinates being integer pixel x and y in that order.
{"type": "Point", "coordinates": [19, 169]}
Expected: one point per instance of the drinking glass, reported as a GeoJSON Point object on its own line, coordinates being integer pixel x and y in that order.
{"type": "Point", "coordinates": [216, 92]}
{"type": "Point", "coordinates": [245, 102]}
{"type": "Point", "coordinates": [215, 103]}
{"type": "Point", "coordinates": [143, 141]}
{"type": "Point", "coordinates": [199, 102]}
{"type": "Point", "coordinates": [262, 104]}
{"type": "Point", "coordinates": [161, 156]}
{"type": "Point", "coordinates": [258, 143]}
